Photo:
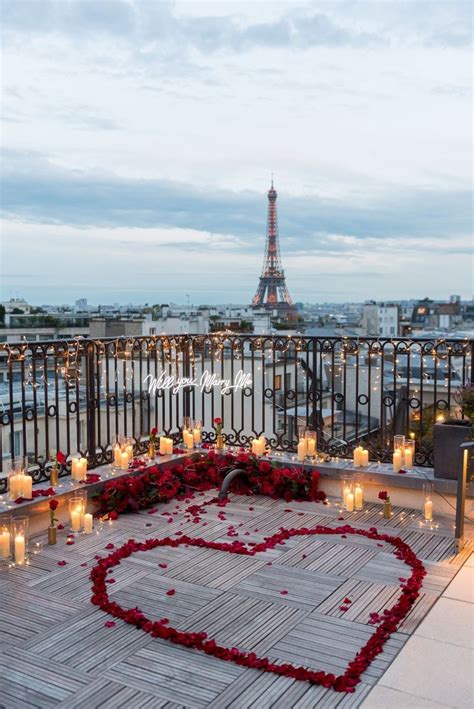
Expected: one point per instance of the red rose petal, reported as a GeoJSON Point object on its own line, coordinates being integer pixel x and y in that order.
{"type": "Point", "coordinates": [283, 593]}
{"type": "Point", "coordinates": [170, 592]}
{"type": "Point", "coordinates": [62, 563]}
{"type": "Point", "coordinates": [109, 624]}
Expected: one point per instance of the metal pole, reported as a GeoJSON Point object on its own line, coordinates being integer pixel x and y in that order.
{"type": "Point", "coordinates": [90, 401]}
{"type": "Point", "coordinates": [461, 495]}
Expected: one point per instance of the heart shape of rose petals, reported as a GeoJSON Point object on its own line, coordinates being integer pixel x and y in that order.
{"type": "Point", "coordinates": [388, 622]}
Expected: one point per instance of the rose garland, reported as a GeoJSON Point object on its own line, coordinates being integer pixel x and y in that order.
{"type": "Point", "coordinates": [154, 485]}
{"type": "Point", "coordinates": [346, 682]}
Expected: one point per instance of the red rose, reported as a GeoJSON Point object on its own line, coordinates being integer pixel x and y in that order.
{"type": "Point", "coordinates": [60, 457]}
{"type": "Point", "coordinates": [53, 504]}
{"type": "Point", "coordinates": [153, 431]}
{"type": "Point", "coordinates": [383, 495]}
{"type": "Point", "coordinates": [113, 515]}
{"type": "Point", "coordinates": [217, 421]}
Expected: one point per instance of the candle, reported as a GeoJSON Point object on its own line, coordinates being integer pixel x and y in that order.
{"type": "Point", "coordinates": [428, 510]}
{"type": "Point", "coordinates": [117, 456]}
{"type": "Point", "coordinates": [27, 486]}
{"type": "Point", "coordinates": [188, 439]}
{"type": "Point", "coordinates": [397, 460]}
{"type": "Point", "coordinates": [364, 458]}
{"type": "Point", "coordinates": [79, 468]}
{"type": "Point", "coordinates": [76, 517]}
{"type": "Point", "coordinates": [357, 457]}
{"type": "Point", "coordinates": [4, 544]}
{"type": "Point", "coordinates": [311, 447]}
{"type": "Point", "coordinates": [350, 502]}
{"type": "Point", "coordinates": [129, 451]}
{"type": "Point", "coordinates": [408, 458]}
{"type": "Point", "coordinates": [197, 435]}
{"type": "Point", "coordinates": [124, 459]}
{"type": "Point", "coordinates": [88, 523]}
{"type": "Point", "coordinates": [302, 449]}
{"type": "Point", "coordinates": [20, 548]}
{"type": "Point", "coordinates": [358, 497]}
{"type": "Point", "coordinates": [166, 446]}
{"type": "Point", "coordinates": [14, 486]}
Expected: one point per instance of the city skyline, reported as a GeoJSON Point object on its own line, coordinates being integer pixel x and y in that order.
{"type": "Point", "coordinates": [138, 144]}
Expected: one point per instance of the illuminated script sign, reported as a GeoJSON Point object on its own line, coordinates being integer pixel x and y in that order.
{"type": "Point", "coordinates": [207, 382]}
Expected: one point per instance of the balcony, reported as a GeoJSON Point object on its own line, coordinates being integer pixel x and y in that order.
{"type": "Point", "coordinates": [309, 600]}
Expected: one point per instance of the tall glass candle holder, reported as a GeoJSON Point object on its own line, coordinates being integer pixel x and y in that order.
{"type": "Point", "coordinates": [5, 538]}
{"type": "Point", "coordinates": [347, 493]}
{"type": "Point", "coordinates": [311, 444]}
{"type": "Point", "coordinates": [302, 448]}
{"type": "Point", "coordinates": [20, 539]}
{"type": "Point", "coordinates": [79, 468]}
{"type": "Point", "coordinates": [428, 502]}
{"type": "Point", "coordinates": [20, 484]}
{"type": "Point", "coordinates": [76, 512]}
{"type": "Point", "coordinates": [117, 442]}
{"type": "Point", "coordinates": [409, 454]}
{"type": "Point", "coordinates": [398, 452]}
{"type": "Point", "coordinates": [358, 493]}
{"type": "Point", "coordinates": [127, 449]}
{"type": "Point", "coordinates": [197, 433]}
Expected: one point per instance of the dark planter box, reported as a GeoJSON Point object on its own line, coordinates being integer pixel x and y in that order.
{"type": "Point", "coordinates": [447, 455]}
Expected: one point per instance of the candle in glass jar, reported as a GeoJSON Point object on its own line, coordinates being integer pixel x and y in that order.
{"type": "Point", "coordinates": [188, 439]}
{"type": "Point", "coordinates": [88, 523]}
{"type": "Point", "coordinates": [5, 544]}
{"type": "Point", "coordinates": [76, 518]}
{"type": "Point", "coordinates": [129, 451]}
{"type": "Point", "coordinates": [311, 447]}
{"type": "Point", "coordinates": [124, 460]}
{"type": "Point", "coordinates": [349, 501]}
{"type": "Point", "coordinates": [117, 456]}
{"type": "Point", "coordinates": [408, 458]}
{"type": "Point", "coordinates": [302, 449]}
{"type": "Point", "coordinates": [428, 510]}
{"type": "Point", "coordinates": [197, 435]}
{"type": "Point", "coordinates": [358, 497]}
{"type": "Point", "coordinates": [79, 469]}
{"type": "Point", "coordinates": [20, 549]}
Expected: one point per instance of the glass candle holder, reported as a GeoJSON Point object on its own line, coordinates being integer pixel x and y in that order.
{"type": "Point", "coordinates": [302, 448]}
{"type": "Point", "coordinates": [398, 452]}
{"type": "Point", "coordinates": [20, 539]}
{"type": "Point", "coordinates": [409, 454]}
{"type": "Point", "coordinates": [197, 433]}
{"type": "Point", "coordinates": [428, 502]}
{"type": "Point", "coordinates": [347, 492]}
{"type": "Point", "coordinates": [186, 423]}
{"type": "Point", "coordinates": [78, 468]}
{"type": "Point", "coordinates": [311, 441]}
{"type": "Point", "coordinates": [76, 512]}
{"type": "Point", "coordinates": [117, 442]}
{"type": "Point", "coordinates": [20, 484]}
{"type": "Point", "coordinates": [127, 448]}
{"type": "Point", "coordinates": [5, 538]}
{"type": "Point", "coordinates": [358, 493]}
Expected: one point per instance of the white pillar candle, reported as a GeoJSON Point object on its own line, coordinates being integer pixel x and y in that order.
{"type": "Point", "coordinates": [76, 518]}
{"type": "Point", "coordinates": [20, 549]}
{"type": "Point", "coordinates": [397, 460]}
{"type": "Point", "coordinates": [197, 435]}
{"type": "Point", "coordinates": [129, 451]}
{"type": "Point", "coordinates": [357, 457]}
{"type": "Point", "coordinates": [428, 510]}
{"type": "Point", "coordinates": [27, 487]}
{"type": "Point", "coordinates": [350, 502]}
{"type": "Point", "coordinates": [364, 458]}
{"type": "Point", "coordinates": [117, 456]}
{"type": "Point", "coordinates": [302, 449]}
{"type": "Point", "coordinates": [358, 497]}
{"type": "Point", "coordinates": [124, 459]}
{"type": "Point", "coordinates": [311, 447]}
{"type": "Point", "coordinates": [13, 483]}
{"type": "Point", "coordinates": [88, 523]}
{"type": "Point", "coordinates": [188, 439]}
{"type": "Point", "coordinates": [5, 544]}
{"type": "Point", "coordinates": [169, 446]}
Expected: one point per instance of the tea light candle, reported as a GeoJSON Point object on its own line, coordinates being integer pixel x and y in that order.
{"type": "Point", "coordinates": [88, 523]}
{"type": "Point", "coordinates": [5, 538]}
{"type": "Point", "coordinates": [302, 449]}
{"type": "Point", "coordinates": [20, 549]}
{"type": "Point", "coordinates": [76, 518]}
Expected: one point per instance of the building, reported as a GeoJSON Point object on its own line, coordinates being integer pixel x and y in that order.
{"type": "Point", "coordinates": [380, 319]}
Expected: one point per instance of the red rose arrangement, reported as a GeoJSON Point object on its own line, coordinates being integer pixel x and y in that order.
{"type": "Point", "coordinates": [60, 458]}
{"type": "Point", "coordinates": [218, 425]}
{"type": "Point", "coordinates": [383, 495]}
{"type": "Point", "coordinates": [53, 506]}
{"type": "Point", "coordinates": [153, 433]}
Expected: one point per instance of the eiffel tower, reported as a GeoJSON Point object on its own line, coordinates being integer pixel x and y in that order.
{"type": "Point", "coordinates": [272, 292]}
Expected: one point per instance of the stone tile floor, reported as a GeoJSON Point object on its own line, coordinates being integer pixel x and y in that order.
{"type": "Point", "coordinates": [56, 652]}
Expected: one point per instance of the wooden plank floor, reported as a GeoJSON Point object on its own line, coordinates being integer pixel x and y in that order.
{"type": "Point", "coordinates": [55, 650]}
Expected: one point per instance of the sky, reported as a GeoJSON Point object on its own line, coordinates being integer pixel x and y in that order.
{"type": "Point", "coordinates": [139, 137]}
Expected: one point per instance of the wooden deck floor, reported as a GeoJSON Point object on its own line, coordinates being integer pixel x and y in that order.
{"type": "Point", "coordinates": [56, 652]}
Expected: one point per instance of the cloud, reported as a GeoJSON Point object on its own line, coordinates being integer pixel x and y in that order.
{"type": "Point", "coordinates": [36, 190]}
{"type": "Point", "coordinates": [327, 24]}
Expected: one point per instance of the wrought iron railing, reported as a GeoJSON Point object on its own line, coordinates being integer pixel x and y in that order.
{"type": "Point", "coordinates": [74, 395]}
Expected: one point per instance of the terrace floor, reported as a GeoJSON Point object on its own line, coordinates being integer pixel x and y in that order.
{"type": "Point", "coordinates": [55, 650]}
